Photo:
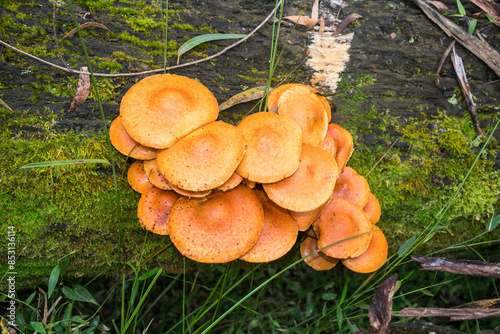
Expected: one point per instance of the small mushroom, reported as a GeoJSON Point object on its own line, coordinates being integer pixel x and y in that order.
{"type": "Point", "coordinates": [153, 209]}
{"type": "Point", "coordinates": [204, 159]}
{"type": "Point", "coordinates": [374, 257]}
{"type": "Point", "coordinates": [278, 235]}
{"type": "Point", "coordinates": [137, 177]}
{"type": "Point", "coordinates": [305, 108]}
{"type": "Point", "coordinates": [160, 109]}
{"type": "Point", "coordinates": [273, 146]}
{"type": "Point", "coordinates": [352, 187]}
{"type": "Point", "coordinates": [310, 186]}
{"type": "Point", "coordinates": [126, 145]}
{"type": "Point", "coordinates": [154, 175]}
{"type": "Point", "coordinates": [338, 142]}
{"type": "Point", "coordinates": [372, 209]}
{"type": "Point", "coordinates": [219, 228]}
{"type": "Point", "coordinates": [344, 229]}
{"type": "Point", "coordinates": [319, 261]}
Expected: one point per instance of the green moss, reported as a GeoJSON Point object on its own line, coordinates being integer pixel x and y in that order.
{"type": "Point", "coordinates": [113, 66]}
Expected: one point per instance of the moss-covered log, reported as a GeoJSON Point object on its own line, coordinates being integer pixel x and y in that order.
{"type": "Point", "coordinates": [387, 96]}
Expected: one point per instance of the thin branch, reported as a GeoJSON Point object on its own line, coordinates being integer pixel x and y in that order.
{"type": "Point", "coordinates": [463, 267]}
{"type": "Point", "coordinates": [250, 34]}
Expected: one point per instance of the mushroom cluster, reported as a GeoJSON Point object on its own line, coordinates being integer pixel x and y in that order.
{"type": "Point", "coordinates": [224, 192]}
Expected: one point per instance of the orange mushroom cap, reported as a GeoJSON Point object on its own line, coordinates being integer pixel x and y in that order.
{"type": "Point", "coordinates": [273, 147]}
{"type": "Point", "coordinates": [154, 175]}
{"type": "Point", "coordinates": [126, 145]}
{"type": "Point", "coordinates": [319, 261]}
{"type": "Point", "coordinates": [153, 209]}
{"type": "Point", "coordinates": [305, 219]}
{"type": "Point", "coordinates": [374, 257]}
{"type": "Point", "coordinates": [305, 108]}
{"type": "Point", "coordinates": [218, 229]}
{"type": "Point", "coordinates": [342, 220]}
{"type": "Point", "coordinates": [310, 186]}
{"type": "Point", "coordinates": [204, 159]}
{"type": "Point", "coordinates": [372, 209]}
{"type": "Point", "coordinates": [275, 94]}
{"type": "Point", "coordinates": [352, 187]}
{"type": "Point", "coordinates": [137, 177]}
{"type": "Point", "coordinates": [160, 109]}
{"type": "Point", "coordinates": [278, 235]}
{"type": "Point", "coordinates": [338, 142]}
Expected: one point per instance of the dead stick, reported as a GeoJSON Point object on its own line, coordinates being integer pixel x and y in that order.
{"type": "Point", "coordinates": [482, 50]}
{"type": "Point", "coordinates": [453, 314]}
{"type": "Point", "coordinates": [463, 267]}
{"type": "Point", "coordinates": [445, 55]}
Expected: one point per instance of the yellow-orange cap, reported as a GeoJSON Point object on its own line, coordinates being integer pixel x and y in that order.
{"type": "Point", "coordinates": [160, 109]}
{"type": "Point", "coordinates": [273, 145]}
{"type": "Point", "coordinates": [342, 220]}
{"type": "Point", "coordinates": [373, 258]}
{"type": "Point", "coordinates": [218, 229]}
{"type": "Point", "coordinates": [126, 145]}
{"type": "Point", "coordinates": [153, 209]}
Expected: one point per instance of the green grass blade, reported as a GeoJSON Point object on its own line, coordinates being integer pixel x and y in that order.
{"type": "Point", "coordinates": [66, 162]}
{"type": "Point", "coordinates": [493, 223]}
{"type": "Point", "coordinates": [54, 277]}
{"type": "Point", "coordinates": [139, 305]}
{"type": "Point", "coordinates": [461, 8]}
{"type": "Point", "coordinates": [193, 42]}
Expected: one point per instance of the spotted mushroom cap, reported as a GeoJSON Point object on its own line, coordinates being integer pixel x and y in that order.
{"type": "Point", "coordinates": [153, 209]}
{"type": "Point", "coordinates": [310, 186]}
{"type": "Point", "coordinates": [319, 261]}
{"type": "Point", "coordinates": [126, 145]}
{"type": "Point", "coordinates": [305, 109]}
{"type": "Point", "coordinates": [344, 228]}
{"type": "Point", "coordinates": [273, 146]}
{"type": "Point", "coordinates": [278, 235]}
{"type": "Point", "coordinates": [204, 159]}
{"type": "Point", "coordinates": [160, 109]}
{"type": "Point", "coordinates": [373, 258]}
{"type": "Point", "coordinates": [218, 229]}
{"type": "Point", "coordinates": [137, 177]}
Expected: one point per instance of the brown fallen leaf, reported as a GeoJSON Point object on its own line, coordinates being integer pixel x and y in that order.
{"type": "Point", "coordinates": [86, 25]}
{"type": "Point", "coordinates": [307, 21]}
{"type": "Point", "coordinates": [3, 104]}
{"type": "Point", "coordinates": [82, 90]}
{"type": "Point", "coordinates": [345, 22]}
{"type": "Point", "coordinates": [321, 29]}
{"type": "Point", "coordinates": [453, 314]}
{"type": "Point", "coordinates": [302, 20]}
{"type": "Point", "coordinates": [462, 267]}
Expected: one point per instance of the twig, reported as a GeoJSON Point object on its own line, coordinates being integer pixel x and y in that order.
{"type": "Point", "coordinates": [250, 34]}
{"type": "Point", "coordinates": [379, 160]}
{"type": "Point", "coordinates": [452, 313]}
{"type": "Point", "coordinates": [445, 55]}
{"type": "Point", "coordinates": [463, 267]}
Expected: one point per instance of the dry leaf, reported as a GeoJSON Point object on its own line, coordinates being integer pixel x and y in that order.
{"type": "Point", "coordinates": [86, 25]}
{"type": "Point", "coordinates": [302, 20]}
{"type": "Point", "coordinates": [381, 305]}
{"type": "Point", "coordinates": [245, 96]}
{"type": "Point", "coordinates": [2, 103]}
{"type": "Point", "coordinates": [438, 5]}
{"type": "Point", "coordinates": [83, 89]}
{"type": "Point", "coordinates": [315, 11]}
{"type": "Point", "coordinates": [345, 22]}
{"type": "Point", "coordinates": [321, 26]}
